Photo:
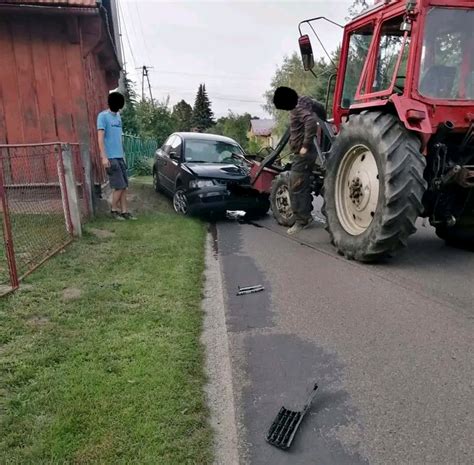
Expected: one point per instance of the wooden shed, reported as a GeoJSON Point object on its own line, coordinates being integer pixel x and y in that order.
{"type": "Point", "coordinates": [58, 61]}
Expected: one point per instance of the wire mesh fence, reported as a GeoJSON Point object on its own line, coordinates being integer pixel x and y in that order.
{"type": "Point", "coordinates": [138, 151]}
{"type": "Point", "coordinates": [36, 214]}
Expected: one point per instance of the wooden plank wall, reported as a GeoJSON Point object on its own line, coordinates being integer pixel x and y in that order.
{"type": "Point", "coordinates": [49, 90]}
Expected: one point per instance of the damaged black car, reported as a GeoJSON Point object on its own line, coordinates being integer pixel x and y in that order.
{"type": "Point", "coordinates": [207, 174]}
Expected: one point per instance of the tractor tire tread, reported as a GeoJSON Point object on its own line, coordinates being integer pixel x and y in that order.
{"type": "Point", "coordinates": [402, 182]}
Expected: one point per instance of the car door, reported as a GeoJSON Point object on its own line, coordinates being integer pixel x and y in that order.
{"type": "Point", "coordinates": [162, 159]}
{"type": "Point", "coordinates": [172, 168]}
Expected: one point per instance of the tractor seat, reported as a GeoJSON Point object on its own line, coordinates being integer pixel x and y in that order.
{"type": "Point", "coordinates": [438, 82]}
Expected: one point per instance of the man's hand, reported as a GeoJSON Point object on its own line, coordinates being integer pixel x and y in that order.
{"type": "Point", "coordinates": [303, 151]}
{"type": "Point", "coordinates": [105, 162]}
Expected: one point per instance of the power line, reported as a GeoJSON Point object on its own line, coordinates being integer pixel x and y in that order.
{"type": "Point", "coordinates": [140, 24]}
{"type": "Point", "coordinates": [210, 76]}
{"type": "Point", "coordinates": [126, 35]}
{"type": "Point", "coordinates": [135, 35]}
{"type": "Point", "coordinates": [233, 98]}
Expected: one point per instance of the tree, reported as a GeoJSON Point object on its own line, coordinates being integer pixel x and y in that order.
{"type": "Point", "coordinates": [182, 115]}
{"type": "Point", "coordinates": [203, 117]}
{"type": "Point", "coordinates": [357, 7]}
{"type": "Point", "coordinates": [292, 74]}
{"type": "Point", "coordinates": [154, 120]}
{"type": "Point", "coordinates": [234, 126]}
{"type": "Point", "coordinates": [254, 146]}
{"type": "Point", "coordinates": [129, 113]}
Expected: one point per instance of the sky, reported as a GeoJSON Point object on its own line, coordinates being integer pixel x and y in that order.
{"type": "Point", "coordinates": [233, 47]}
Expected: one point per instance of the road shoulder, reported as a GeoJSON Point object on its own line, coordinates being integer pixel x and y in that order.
{"type": "Point", "coordinates": [219, 389]}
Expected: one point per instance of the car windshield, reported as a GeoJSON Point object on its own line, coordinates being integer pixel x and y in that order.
{"type": "Point", "coordinates": [447, 64]}
{"type": "Point", "coordinates": [211, 151]}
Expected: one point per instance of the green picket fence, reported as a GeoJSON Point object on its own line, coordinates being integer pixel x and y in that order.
{"type": "Point", "coordinates": [137, 151]}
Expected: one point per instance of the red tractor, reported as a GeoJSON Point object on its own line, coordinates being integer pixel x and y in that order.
{"type": "Point", "coordinates": [401, 143]}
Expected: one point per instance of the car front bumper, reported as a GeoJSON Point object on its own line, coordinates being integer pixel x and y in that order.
{"type": "Point", "coordinates": [218, 199]}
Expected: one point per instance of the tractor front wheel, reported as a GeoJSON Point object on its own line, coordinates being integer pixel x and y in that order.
{"type": "Point", "coordinates": [373, 187]}
{"type": "Point", "coordinates": [280, 200]}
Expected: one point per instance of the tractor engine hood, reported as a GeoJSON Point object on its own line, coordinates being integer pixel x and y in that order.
{"type": "Point", "coordinates": [227, 172]}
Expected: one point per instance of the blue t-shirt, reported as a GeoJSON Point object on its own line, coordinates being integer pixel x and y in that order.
{"type": "Point", "coordinates": [111, 123]}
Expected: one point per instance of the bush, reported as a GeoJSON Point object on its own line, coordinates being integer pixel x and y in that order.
{"type": "Point", "coordinates": [143, 167]}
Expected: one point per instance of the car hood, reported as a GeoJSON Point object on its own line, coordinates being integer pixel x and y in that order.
{"type": "Point", "coordinates": [228, 172]}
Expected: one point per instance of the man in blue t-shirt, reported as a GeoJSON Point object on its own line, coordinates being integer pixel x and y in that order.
{"type": "Point", "coordinates": [109, 127]}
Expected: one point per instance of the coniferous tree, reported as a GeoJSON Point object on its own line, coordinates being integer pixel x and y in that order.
{"type": "Point", "coordinates": [203, 117]}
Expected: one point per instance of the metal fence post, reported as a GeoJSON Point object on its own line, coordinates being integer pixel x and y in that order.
{"type": "Point", "coordinates": [7, 232]}
{"type": "Point", "coordinates": [87, 178]}
{"type": "Point", "coordinates": [69, 190]}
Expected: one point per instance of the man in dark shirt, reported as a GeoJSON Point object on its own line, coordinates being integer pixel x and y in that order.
{"type": "Point", "coordinates": [303, 129]}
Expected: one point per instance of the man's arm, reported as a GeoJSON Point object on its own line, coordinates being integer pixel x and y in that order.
{"type": "Point", "coordinates": [320, 110]}
{"type": "Point", "coordinates": [101, 125]}
{"type": "Point", "coordinates": [310, 129]}
{"type": "Point", "coordinates": [103, 153]}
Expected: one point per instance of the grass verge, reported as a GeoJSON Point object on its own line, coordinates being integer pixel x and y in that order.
{"type": "Point", "coordinates": [100, 356]}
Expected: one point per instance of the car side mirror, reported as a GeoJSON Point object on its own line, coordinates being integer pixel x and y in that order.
{"type": "Point", "coordinates": [306, 52]}
{"type": "Point", "coordinates": [175, 156]}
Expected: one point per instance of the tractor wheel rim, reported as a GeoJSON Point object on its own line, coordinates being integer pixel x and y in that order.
{"type": "Point", "coordinates": [180, 202]}
{"type": "Point", "coordinates": [357, 190]}
{"type": "Point", "coordinates": [282, 200]}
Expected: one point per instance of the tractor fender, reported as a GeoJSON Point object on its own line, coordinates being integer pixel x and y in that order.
{"type": "Point", "coordinates": [415, 116]}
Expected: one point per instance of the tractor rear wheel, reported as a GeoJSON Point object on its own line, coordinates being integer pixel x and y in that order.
{"type": "Point", "coordinates": [280, 200]}
{"type": "Point", "coordinates": [373, 187]}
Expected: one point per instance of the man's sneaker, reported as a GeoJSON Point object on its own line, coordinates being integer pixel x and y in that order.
{"type": "Point", "coordinates": [116, 215]}
{"type": "Point", "coordinates": [297, 227]}
{"type": "Point", "coordinates": [129, 216]}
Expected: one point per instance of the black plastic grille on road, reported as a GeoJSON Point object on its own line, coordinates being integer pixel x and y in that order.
{"type": "Point", "coordinates": [284, 427]}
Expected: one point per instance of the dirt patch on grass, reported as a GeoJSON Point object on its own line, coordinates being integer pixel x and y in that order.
{"type": "Point", "coordinates": [38, 321]}
{"type": "Point", "coordinates": [71, 293]}
{"type": "Point", "coordinates": [142, 198]}
{"type": "Point", "coordinates": [101, 233]}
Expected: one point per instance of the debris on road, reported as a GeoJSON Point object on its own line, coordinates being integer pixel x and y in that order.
{"type": "Point", "coordinates": [250, 289]}
{"type": "Point", "coordinates": [284, 427]}
{"type": "Point", "coordinates": [235, 214]}
{"type": "Point", "coordinates": [319, 219]}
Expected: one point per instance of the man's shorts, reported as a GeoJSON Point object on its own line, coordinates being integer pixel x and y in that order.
{"type": "Point", "coordinates": [118, 174]}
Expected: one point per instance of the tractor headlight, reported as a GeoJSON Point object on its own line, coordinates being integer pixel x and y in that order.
{"type": "Point", "coordinates": [200, 183]}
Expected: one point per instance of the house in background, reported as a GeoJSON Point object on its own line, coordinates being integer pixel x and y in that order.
{"type": "Point", "coordinates": [262, 132]}
{"type": "Point", "coordinates": [58, 62]}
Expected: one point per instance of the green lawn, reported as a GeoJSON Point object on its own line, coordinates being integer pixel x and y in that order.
{"type": "Point", "coordinates": [114, 376]}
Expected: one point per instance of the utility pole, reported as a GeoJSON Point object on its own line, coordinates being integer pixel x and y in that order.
{"type": "Point", "coordinates": [145, 75]}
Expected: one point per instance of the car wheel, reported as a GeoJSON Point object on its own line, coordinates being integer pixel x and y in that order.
{"type": "Point", "coordinates": [180, 202]}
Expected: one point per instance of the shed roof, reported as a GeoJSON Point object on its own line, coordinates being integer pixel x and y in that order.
{"type": "Point", "coordinates": [262, 127]}
{"type": "Point", "coordinates": [74, 3]}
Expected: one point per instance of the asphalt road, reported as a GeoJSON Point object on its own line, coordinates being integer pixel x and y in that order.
{"type": "Point", "coordinates": [390, 345]}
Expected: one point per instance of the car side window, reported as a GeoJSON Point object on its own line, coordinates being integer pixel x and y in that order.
{"type": "Point", "coordinates": [175, 145]}
{"type": "Point", "coordinates": [167, 145]}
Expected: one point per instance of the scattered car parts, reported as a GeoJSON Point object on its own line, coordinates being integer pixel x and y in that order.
{"type": "Point", "coordinates": [284, 427]}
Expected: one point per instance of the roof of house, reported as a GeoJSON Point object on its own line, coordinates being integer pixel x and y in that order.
{"type": "Point", "coordinates": [262, 127]}
{"type": "Point", "coordinates": [74, 3]}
